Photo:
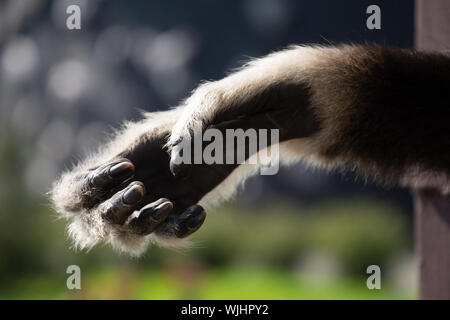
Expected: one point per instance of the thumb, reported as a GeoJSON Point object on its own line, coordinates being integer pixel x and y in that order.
{"type": "Point", "coordinates": [186, 150]}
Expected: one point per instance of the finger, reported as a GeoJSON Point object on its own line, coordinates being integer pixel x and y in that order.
{"type": "Point", "coordinates": [110, 174]}
{"type": "Point", "coordinates": [189, 221]}
{"type": "Point", "coordinates": [179, 164]}
{"type": "Point", "coordinates": [117, 209]}
{"type": "Point", "coordinates": [150, 217]}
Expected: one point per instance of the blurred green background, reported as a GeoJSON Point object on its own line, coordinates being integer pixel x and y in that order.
{"type": "Point", "coordinates": [297, 235]}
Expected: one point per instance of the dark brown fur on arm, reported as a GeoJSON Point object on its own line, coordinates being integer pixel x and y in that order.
{"type": "Point", "coordinates": [388, 112]}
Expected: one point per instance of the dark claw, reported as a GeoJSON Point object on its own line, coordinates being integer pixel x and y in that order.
{"type": "Point", "coordinates": [112, 174]}
{"type": "Point", "coordinates": [190, 221]}
{"type": "Point", "coordinates": [121, 171]}
{"type": "Point", "coordinates": [180, 171]}
{"type": "Point", "coordinates": [133, 195]}
{"type": "Point", "coordinates": [161, 211]}
{"type": "Point", "coordinates": [151, 216]}
{"type": "Point", "coordinates": [124, 202]}
{"type": "Point", "coordinates": [100, 179]}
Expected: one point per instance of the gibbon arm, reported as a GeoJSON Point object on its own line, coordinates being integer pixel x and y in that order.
{"type": "Point", "coordinates": [380, 111]}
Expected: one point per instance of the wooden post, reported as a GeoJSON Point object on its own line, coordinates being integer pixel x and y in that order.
{"type": "Point", "coordinates": [432, 209]}
{"type": "Point", "coordinates": [432, 226]}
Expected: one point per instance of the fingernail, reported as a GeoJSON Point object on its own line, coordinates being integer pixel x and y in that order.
{"type": "Point", "coordinates": [179, 170]}
{"type": "Point", "coordinates": [177, 142]}
{"type": "Point", "coordinates": [177, 165]}
{"type": "Point", "coordinates": [173, 167]}
{"type": "Point", "coordinates": [161, 210]}
{"type": "Point", "coordinates": [194, 216]}
{"type": "Point", "coordinates": [133, 195]}
{"type": "Point", "coordinates": [197, 220]}
{"type": "Point", "coordinates": [121, 170]}
{"type": "Point", "coordinates": [190, 224]}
